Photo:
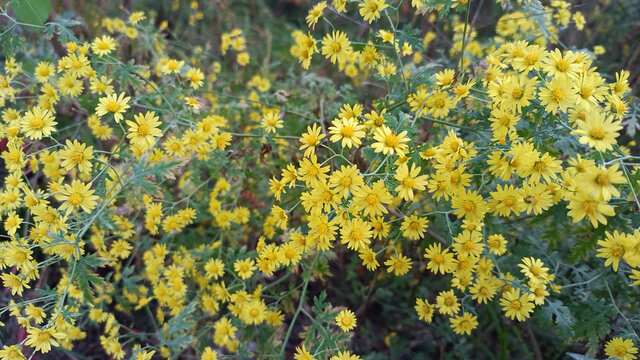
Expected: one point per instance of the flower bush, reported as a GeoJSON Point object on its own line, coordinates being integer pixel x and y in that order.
{"type": "Point", "coordinates": [331, 180]}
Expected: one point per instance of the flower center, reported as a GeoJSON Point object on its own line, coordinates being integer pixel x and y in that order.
{"type": "Point", "coordinates": [36, 123]}
{"type": "Point", "coordinates": [143, 130]}
{"type": "Point", "coordinates": [392, 141]}
{"type": "Point", "coordinates": [75, 199]}
{"type": "Point", "coordinates": [562, 65]}
{"type": "Point", "coordinates": [112, 106]}
{"type": "Point", "coordinates": [597, 133]}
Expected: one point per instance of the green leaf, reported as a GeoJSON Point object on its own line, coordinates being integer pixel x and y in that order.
{"type": "Point", "coordinates": [33, 12]}
{"type": "Point", "coordinates": [560, 315]}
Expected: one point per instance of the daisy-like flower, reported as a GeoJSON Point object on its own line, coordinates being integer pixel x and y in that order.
{"type": "Point", "coordinates": [398, 265]}
{"type": "Point", "coordinates": [302, 353]}
{"type": "Point", "coordinates": [439, 261]}
{"type": "Point", "coordinates": [622, 349]}
{"type": "Point", "coordinates": [613, 248]}
{"type": "Point", "coordinates": [315, 14]}
{"type": "Point", "coordinates": [561, 65]}
{"type": "Point", "coordinates": [515, 305]}
{"type": "Point", "coordinates": [356, 234]}
{"type": "Point", "coordinates": [424, 310]}
{"type": "Point", "coordinates": [144, 130]}
{"type": "Point", "coordinates": [104, 45]}
{"type": "Point", "coordinates": [43, 339]}
{"type": "Point", "coordinates": [464, 324]}
{"type": "Point", "coordinates": [37, 123]}
{"type": "Point", "coordinates": [583, 204]}
{"type": "Point", "coordinates": [469, 204]}
{"type": "Point", "coordinates": [370, 9]}
{"type": "Point", "coordinates": [468, 243]}
{"type": "Point", "coordinates": [114, 104]}
{"type": "Point", "coordinates": [77, 154]}
{"type": "Point", "coordinates": [389, 143]}
{"type": "Point", "coordinates": [372, 199]}
{"type": "Point", "coordinates": [311, 139]}
{"type": "Point", "coordinates": [447, 303]}
{"type": "Point", "coordinates": [558, 94]}
{"type": "Point", "coordinates": [336, 46]}
{"type": "Point", "coordinates": [78, 195]}
{"type": "Point", "coordinates": [409, 180]}
{"type": "Point", "coordinates": [347, 130]}
{"type": "Point", "coordinates": [346, 320]}
{"type": "Point", "coordinates": [534, 269]}
{"type": "Point", "coordinates": [271, 121]}
{"type": "Point", "coordinates": [44, 71]}
{"type": "Point", "coordinates": [413, 227]}
{"type": "Point", "coordinates": [136, 17]}
{"type": "Point", "coordinates": [600, 181]}
{"type": "Point", "coordinates": [244, 268]}
{"type": "Point", "coordinates": [13, 352]}
{"type": "Point", "coordinates": [598, 131]}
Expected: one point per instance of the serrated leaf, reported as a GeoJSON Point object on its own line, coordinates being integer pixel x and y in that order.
{"type": "Point", "coordinates": [557, 313]}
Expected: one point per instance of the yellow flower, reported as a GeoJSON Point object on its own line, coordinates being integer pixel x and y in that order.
{"type": "Point", "coordinates": [77, 154]}
{"type": "Point", "coordinates": [315, 14]}
{"type": "Point", "coordinates": [622, 349]}
{"type": "Point", "coordinates": [78, 195]}
{"type": "Point", "coordinates": [583, 204]}
{"type": "Point", "coordinates": [12, 352]}
{"type": "Point", "coordinates": [43, 339]}
{"type": "Point", "coordinates": [144, 130]}
{"type": "Point", "coordinates": [398, 265]}
{"type": "Point", "coordinates": [463, 324]}
{"type": "Point", "coordinates": [600, 181]}
{"type": "Point", "coordinates": [346, 320]}
{"type": "Point", "coordinates": [271, 121]}
{"type": "Point", "coordinates": [372, 199]}
{"type": "Point", "coordinates": [561, 66]}
{"type": "Point", "coordinates": [534, 269]}
{"type": "Point", "coordinates": [11, 224]}
{"type": "Point", "coordinates": [37, 123]}
{"type": "Point", "coordinates": [447, 303]}
{"type": "Point", "coordinates": [516, 306]}
{"type": "Point", "coordinates": [409, 180]}
{"type": "Point", "coordinates": [469, 205]}
{"type": "Point", "coordinates": [613, 248]}
{"type": "Point", "coordinates": [254, 312]}
{"type": "Point", "coordinates": [347, 130]}
{"type": "Point", "coordinates": [505, 200]}
{"type": "Point", "coordinates": [424, 310]}
{"type": "Point", "coordinates": [346, 180]}
{"type": "Point", "coordinates": [302, 354]}
{"type": "Point", "coordinates": [468, 243]}
{"type": "Point", "coordinates": [368, 258]}
{"type": "Point", "coordinates": [598, 131]}
{"type": "Point", "coordinates": [44, 71]}
{"type": "Point", "coordinates": [370, 9]}
{"type": "Point", "coordinates": [483, 290]}
{"type": "Point", "coordinates": [413, 227]}
{"type": "Point", "coordinates": [439, 261]}
{"type": "Point", "coordinates": [558, 94]}
{"type": "Point", "coordinates": [311, 139]}
{"type": "Point", "coordinates": [114, 104]}
{"type": "Point", "coordinates": [356, 234]}
{"type": "Point", "coordinates": [336, 46]}
{"type": "Point", "coordinates": [104, 45]}
{"type": "Point", "coordinates": [390, 143]}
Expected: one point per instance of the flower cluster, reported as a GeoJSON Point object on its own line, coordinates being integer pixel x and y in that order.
{"type": "Point", "coordinates": [200, 203]}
